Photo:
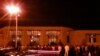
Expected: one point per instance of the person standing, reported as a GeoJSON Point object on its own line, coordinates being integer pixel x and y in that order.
{"type": "Point", "coordinates": [66, 50]}
{"type": "Point", "coordinates": [72, 51]}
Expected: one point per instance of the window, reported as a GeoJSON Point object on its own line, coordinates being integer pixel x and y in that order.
{"type": "Point", "coordinates": [53, 32]}
{"type": "Point", "coordinates": [53, 37]}
{"type": "Point", "coordinates": [34, 32]}
{"type": "Point", "coordinates": [13, 32]}
{"type": "Point", "coordinates": [13, 35]}
{"type": "Point", "coordinates": [34, 37]}
{"type": "Point", "coordinates": [34, 40]}
{"type": "Point", "coordinates": [91, 37]}
{"type": "Point", "coordinates": [15, 40]}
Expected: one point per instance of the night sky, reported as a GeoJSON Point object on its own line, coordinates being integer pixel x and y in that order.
{"type": "Point", "coordinates": [70, 13]}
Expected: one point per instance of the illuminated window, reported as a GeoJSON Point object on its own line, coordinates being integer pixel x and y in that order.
{"type": "Point", "coordinates": [14, 38]}
{"type": "Point", "coordinates": [13, 32]}
{"type": "Point", "coordinates": [33, 32]}
{"type": "Point", "coordinates": [34, 36]}
{"type": "Point", "coordinates": [91, 38]}
{"type": "Point", "coordinates": [53, 37]}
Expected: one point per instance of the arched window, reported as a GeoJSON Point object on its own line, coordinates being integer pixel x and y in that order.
{"type": "Point", "coordinates": [52, 37]}
{"type": "Point", "coordinates": [34, 37]}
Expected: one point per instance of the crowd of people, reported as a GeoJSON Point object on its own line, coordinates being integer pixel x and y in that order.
{"type": "Point", "coordinates": [82, 50]}
{"type": "Point", "coordinates": [70, 50]}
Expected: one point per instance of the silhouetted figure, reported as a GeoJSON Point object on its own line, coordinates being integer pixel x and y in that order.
{"type": "Point", "coordinates": [80, 52]}
{"type": "Point", "coordinates": [97, 51]}
{"type": "Point", "coordinates": [62, 52]}
{"type": "Point", "coordinates": [72, 51]}
{"type": "Point", "coordinates": [91, 50]}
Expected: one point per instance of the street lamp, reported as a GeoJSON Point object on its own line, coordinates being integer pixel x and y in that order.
{"type": "Point", "coordinates": [14, 10]}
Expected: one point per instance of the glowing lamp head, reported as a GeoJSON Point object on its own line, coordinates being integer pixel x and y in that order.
{"type": "Point", "coordinates": [12, 9]}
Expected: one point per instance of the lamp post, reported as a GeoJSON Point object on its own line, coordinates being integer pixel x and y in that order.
{"type": "Point", "coordinates": [14, 10]}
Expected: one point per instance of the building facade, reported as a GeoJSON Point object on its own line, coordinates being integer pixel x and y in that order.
{"type": "Point", "coordinates": [36, 35]}
{"type": "Point", "coordinates": [44, 35]}
{"type": "Point", "coordinates": [88, 37]}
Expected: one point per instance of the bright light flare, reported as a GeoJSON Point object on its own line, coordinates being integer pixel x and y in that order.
{"type": "Point", "coordinates": [13, 9]}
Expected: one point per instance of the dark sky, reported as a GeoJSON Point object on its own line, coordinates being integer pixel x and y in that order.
{"type": "Point", "coordinates": [72, 13]}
